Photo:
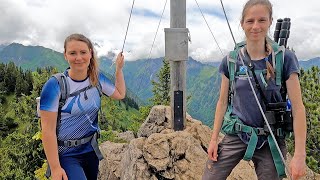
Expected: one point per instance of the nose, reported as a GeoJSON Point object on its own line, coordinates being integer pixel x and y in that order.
{"type": "Point", "coordinates": [78, 57]}
{"type": "Point", "coordinates": [255, 25]}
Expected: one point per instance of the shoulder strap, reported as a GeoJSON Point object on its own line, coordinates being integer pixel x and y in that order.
{"type": "Point", "coordinates": [99, 88]}
{"type": "Point", "coordinates": [278, 57]}
{"type": "Point", "coordinates": [65, 91]}
{"type": "Point", "coordinates": [64, 88]}
{"type": "Point", "coordinates": [231, 62]}
{"type": "Point", "coordinates": [279, 61]}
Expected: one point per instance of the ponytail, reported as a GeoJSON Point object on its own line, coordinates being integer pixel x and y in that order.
{"type": "Point", "coordinates": [270, 69]}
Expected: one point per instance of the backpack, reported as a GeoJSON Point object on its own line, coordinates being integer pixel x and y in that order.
{"type": "Point", "coordinates": [233, 125]}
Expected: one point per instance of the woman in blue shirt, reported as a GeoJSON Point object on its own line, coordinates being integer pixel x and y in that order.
{"type": "Point", "coordinates": [79, 115]}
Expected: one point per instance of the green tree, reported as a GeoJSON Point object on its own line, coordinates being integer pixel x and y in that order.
{"type": "Point", "coordinates": [10, 77]}
{"type": "Point", "coordinates": [161, 88]}
{"type": "Point", "coordinates": [310, 84]}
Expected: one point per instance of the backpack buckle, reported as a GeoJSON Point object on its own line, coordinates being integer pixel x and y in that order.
{"type": "Point", "coordinates": [71, 143]}
{"type": "Point", "coordinates": [238, 127]}
{"type": "Point", "coordinates": [261, 132]}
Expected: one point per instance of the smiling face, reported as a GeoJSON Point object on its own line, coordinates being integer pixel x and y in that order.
{"type": "Point", "coordinates": [78, 55]}
{"type": "Point", "coordinates": [256, 22]}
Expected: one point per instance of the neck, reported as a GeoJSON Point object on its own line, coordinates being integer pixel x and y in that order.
{"type": "Point", "coordinates": [256, 49]}
{"type": "Point", "coordinates": [75, 75]}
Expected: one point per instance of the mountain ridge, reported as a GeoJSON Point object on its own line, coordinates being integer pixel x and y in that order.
{"type": "Point", "coordinates": [203, 79]}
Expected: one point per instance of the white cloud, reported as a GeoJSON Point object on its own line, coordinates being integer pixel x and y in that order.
{"type": "Point", "coordinates": [48, 22]}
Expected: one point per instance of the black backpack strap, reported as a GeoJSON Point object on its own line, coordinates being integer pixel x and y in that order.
{"type": "Point", "coordinates": [65, 91]}
{"type": "Point", "coordinates": [244, 53]}
{"type": "Point", "coordinates": [99, 88]}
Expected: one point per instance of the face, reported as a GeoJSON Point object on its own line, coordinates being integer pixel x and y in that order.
{"type": "Point", "coordinates": [78, 55]}
{"type": "Point", "coordinates": [256, 23]}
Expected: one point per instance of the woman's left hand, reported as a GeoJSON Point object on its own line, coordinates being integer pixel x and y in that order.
{"type": "Point", "coordinates": [120, 61]}
{"type": "Point", "coordinates": [297, 167]}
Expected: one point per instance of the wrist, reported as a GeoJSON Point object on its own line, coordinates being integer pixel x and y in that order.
{"type": "Point", "coordinates": [55, 167]}
{"type": "Point", "coordinates": [214, 138]}
{"type": "Point", "coordinates": [118, 69]}
{"type": "Point", "coordinates": [300, 154]}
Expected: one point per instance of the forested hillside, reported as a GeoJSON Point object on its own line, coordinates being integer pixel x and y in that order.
{"type": "Point", "coordinates": [202, 80]}
{"type": "Point", "coordinates": [32, 57]}
{"type": "Point", "coordinates": [21, 152]}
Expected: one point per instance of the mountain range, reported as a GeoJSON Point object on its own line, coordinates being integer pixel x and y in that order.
{"type": "Point", "coordinates": [203, 79]}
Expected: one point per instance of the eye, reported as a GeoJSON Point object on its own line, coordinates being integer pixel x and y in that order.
{"type": "Point", "coordinates": [72, 53]}
{"type": "Point", "coordinates": [249, 21]}
{"type": "Point", "coordinates": [83, 52]}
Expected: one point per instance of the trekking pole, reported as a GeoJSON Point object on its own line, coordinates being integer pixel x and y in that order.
{"type": "Point", "coordinates": [281, 34]}
{"type": "Point", "coordinates": [277, 30]}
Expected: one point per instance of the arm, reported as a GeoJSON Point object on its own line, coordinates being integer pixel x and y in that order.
{"type": "Point", "coordinates": [297, 164]}
{"type": "Point", "coordinates": [120, 91]}
{"type": "Point", "coordinates": [49, 140]}
{"type": "Point", "coordinates": [221, 108]}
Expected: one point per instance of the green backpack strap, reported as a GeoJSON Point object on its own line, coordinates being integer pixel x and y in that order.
{"type": "Point", "coordinates": [279, 60]}
{"type": "Point", "coordinates": [276, 158]}
{"type": "Point", "coordinates": [232, 65]}
{"type": "Point", "coordinates": [231, 62]}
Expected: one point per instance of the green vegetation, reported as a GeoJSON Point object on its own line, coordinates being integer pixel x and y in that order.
{"type": "Point", "coordinates": [310, 83]}
{"type": "Point", "coordinates": [19, 87]}
{"type": "Point", "coordinates": [31, 57]}
{"type": "Point", "coordinates": [21, 151]}
{"type": "Point", "coordinates": [161, 89]}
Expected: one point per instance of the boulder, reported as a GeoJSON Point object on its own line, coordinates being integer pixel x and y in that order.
{"type": "Point", "coordinates": [159, 152]}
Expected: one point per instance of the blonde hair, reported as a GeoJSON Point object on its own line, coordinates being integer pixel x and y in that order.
{"type": "Point", "coordinates": [93, 70]}
{"type": "Point", "coordinates": [268, 5]}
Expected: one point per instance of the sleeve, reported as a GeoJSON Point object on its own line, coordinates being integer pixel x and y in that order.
{"type": "Point", "coordinates": [290, 65]}
{"type": "Point", "coordinates": [223, 68]}
{"type": "Point", "coordinates": [107, 86]}
{"type": "Point", "coordinates": [50, 95]}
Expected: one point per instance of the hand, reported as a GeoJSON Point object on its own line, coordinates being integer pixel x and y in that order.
{"type": "Point", "coordinates": [297, 167]}
{"type": "Point", "coordinates": [59, 174]}
{"type": "Point", "coordinates": [213, 150]}
{"type": "Point", "coordinates": [120, 61]}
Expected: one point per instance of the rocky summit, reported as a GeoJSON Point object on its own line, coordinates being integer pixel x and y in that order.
{"type": "Point", "coordinates": [158, 152]}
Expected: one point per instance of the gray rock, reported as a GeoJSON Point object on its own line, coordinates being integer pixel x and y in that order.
{"type": "Point", "coordinates": [161, 153]}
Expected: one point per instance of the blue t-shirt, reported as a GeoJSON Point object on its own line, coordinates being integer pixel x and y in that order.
{"type": "Point", "coordinates": [79, 116]}
{"type": "Point", "coordinates": [244, 103]}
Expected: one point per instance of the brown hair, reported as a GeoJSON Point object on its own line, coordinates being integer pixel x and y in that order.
{"type": "Point", "coordinates": [93, 66]}
{"type": "Point", "coordinates": [268, 5]}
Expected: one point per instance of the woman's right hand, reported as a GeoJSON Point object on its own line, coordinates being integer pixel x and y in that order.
{"type": "Point", "coordinates": [213, 150]}
{"type": "Point", "coordinates": [59, 174]}
{"type": "Point", "coordinates": [120, 61]}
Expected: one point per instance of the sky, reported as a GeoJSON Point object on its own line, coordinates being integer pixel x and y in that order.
{"type": "Point", "coordinates": [48, 22]}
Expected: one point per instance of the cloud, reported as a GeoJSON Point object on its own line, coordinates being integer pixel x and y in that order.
{"type": "Point", "coordinates": [47, 23]}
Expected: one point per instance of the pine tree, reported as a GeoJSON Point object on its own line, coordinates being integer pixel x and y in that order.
{"type": "Point", "coordinates": [10, 77]}
{"type": "Point", "coordinates": [310, 84]}
{"type": "Point", "coordinates": [161, 89]}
